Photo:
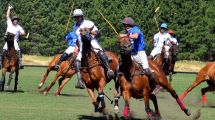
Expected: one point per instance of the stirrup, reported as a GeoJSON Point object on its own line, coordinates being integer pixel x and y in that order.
{"type": "Point", "coordinates": [110, 74]}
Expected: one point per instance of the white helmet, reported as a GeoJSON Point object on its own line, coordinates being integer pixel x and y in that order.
{"type": "Point", "coordinates": [78, 12]}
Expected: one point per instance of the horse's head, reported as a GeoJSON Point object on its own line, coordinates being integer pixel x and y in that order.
{"type": "Point", "coordinates": [125, 45]}
{"type": "Point", "coordinates": [85, 33]}
{"type": "Point", "coordinates": [9, 38]}
{"type": "Point", "coordinates": [166, 51]}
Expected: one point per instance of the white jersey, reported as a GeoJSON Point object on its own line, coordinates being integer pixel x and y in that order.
{"type": "Point", "coordinates": [15, 29]}
{"type": "Point", "coordinates": [94, 43]}
{"type": "Point", "coordinates": [84, 24]}
{"type": "Point", "coordinates": [161, 38]}
{"type": "Point", "coordinates": [174, 41]}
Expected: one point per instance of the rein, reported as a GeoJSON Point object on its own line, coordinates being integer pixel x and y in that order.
{"type": "Point", "coordinates": [88, 67]}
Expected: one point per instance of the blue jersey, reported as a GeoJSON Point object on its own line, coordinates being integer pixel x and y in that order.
{"type": "Point", "coordinates": [71, 37]}
{"type": "Point", "coordinates": [139, 44]}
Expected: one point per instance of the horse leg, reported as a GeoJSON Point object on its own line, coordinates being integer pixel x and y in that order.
{"type": "Point", "coordinates": [204, 90]}
{"type": "Point", "coordinates": [170, 77]}
{"type": "Point", "coordinates": [93, 97]}
{"type": "Point", "coordinates": [64, 81]}
{"type": "Point", "coordinates": [60, 81]}
{"type": "Point", "coordinates": [2, 81]}
{"type": "Point", "coordinates": [9, 81]}
{"type": "Point", "coordinates": [16, 79]}
{"type": "Point", "coordinates": [100, 97]}
{"type": "Point", "coordinates": [154, 100]}
{"type": "Point", "coordinates": [116, 97]}
{"type": "Point", "coordinates": [174, 94]}
{"type": "Point", "coordinates": [199, 79]}
{"type": "Point", "coordinates": [126, 96]}
{"type": "Point", "coordinates": [146, 101]}
{"type": "Point", "coordinates": [45, 77]}
{"type": "Point", "coordinates": [53, 82]}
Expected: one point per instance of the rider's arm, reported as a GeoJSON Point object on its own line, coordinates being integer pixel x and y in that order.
{"type": "Point", "coordinates": [8, 12]}
{"type": "Point", "coordinates": [133, 36]}
{"type": "Point", "coordinates": [22, 32]}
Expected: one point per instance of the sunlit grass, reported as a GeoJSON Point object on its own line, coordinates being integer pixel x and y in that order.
{"type": "Point", "coordinates": [185, 66]}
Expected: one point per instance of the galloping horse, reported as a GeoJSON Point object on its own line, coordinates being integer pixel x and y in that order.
{"type": "Point", "coordinates": [66, 70]}
{"type": "Point", "coordinates": [10, 62]}
{"type": "Point", "coordinates": [207, 73]}
{"type": "Point", "coordinates": [134, 82]}
{"type": "Point", "coordinates": [93, 72]}
{"type": "Point", "coordinates": [165, 60]}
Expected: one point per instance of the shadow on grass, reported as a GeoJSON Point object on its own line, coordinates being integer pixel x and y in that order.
{"type": "Point", "coordinates": [73, 95]}
{"type": "Point", "coordinates": [106, 117]}
{"type": "Point", "coordinates": [12, 91]}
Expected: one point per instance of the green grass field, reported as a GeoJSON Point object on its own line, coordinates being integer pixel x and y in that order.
{"type": "Point", "coordinates": [29, 104]}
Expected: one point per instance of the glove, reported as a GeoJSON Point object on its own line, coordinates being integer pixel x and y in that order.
{"type": "Point", "coordinates": [10, 7]}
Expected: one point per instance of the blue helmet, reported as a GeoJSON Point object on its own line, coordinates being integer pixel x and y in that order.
{"type": "Point", "coordinates": [163, 25]}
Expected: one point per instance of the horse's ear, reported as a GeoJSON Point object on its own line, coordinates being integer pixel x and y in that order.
{"type": "Point", "coordinates": [91, 28]}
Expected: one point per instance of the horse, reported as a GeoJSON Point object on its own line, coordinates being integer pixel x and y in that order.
{"type": "Point", "coordinates": [10, 62]}
{"type": "Point", "coordinates": [134, 82]}
{"type": "Point", "coordinates": [166, 60]}
{"type": "Point", "coordinates": [207, 73]}
{"type": "Point", "coordinates": [66, 71]}
{"type": "Point", "coordinates": [94, 73]}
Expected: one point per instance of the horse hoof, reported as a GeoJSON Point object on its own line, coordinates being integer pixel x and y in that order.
{"type": "Point", "coordinates": [40, 85]}
{"type": "Point", "coordinates": [44, 93]}
{"type": "Point", "coordinates": [187, 112]}
{"type": "Point", "coordinates": [116, 109]}
{"type": "Point", "coordinates": [56, 94]}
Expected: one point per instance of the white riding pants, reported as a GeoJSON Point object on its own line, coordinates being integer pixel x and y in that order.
{"type": "Point", "coordinates": [16, 46]}
{"type": "Point", "coordinates": [141, 58]}
{"type": "Point", "coordinates": [155, 51]}
{"type": "Point", "coordinates": [95, 45]}
{"type": "Point", "coordinates": [70, 50]}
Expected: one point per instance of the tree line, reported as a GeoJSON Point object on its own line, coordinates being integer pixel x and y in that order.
{"type": "Point", "coordinates": [46, 21]}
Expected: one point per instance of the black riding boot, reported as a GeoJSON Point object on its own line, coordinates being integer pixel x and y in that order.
{"type": "Point", "coordinates": [79, 83]}
{"type": "Point", "coordinates": [62, 58]}
{"type": "Point", "coordinates": [21, 66]}
{"type": "Point", "coordinates": [152, 81]}
{"type": "Point", "coordinates": [104, 60]}
{"type": "Point", "coordinates": [2, 57]}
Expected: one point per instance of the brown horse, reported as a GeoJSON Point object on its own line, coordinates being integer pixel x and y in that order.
{"type": "Point", "coordinates": [66, 71]}
{"type": "Point", "coordinates": [10, 62]}
{"type": "Point", "coordinates": [94, 73]}
{"type": "Point", "coordinates": [134, 82]}
{"type": "Point", "coordinates": [207, 73]}
{"type": "Point", "coordinates": [165, 60]}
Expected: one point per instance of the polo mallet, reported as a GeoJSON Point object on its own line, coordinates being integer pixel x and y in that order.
{"type": "Point", "coordinates": [27, 35]}
{"type": "Point", "coordinates": [156, 10]}
{"type": "Point", "coordinates": [111, 101]}
{"type": "Point", "coordinates": [108, 22]}
{"type": "Point", "coordinates": [70, 14]}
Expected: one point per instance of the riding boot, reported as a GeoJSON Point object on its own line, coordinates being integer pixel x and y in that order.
{"type": "Point", "coordinates": [62, 58]}
{"type": "Point", "coordinates": [79, 83]}
{"type": "Point", "coordinates": [21, 66]}
{"type": "Point", "coordinates": [152, 81]}
{"type": "Point", "coordinates": [104, 59]}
